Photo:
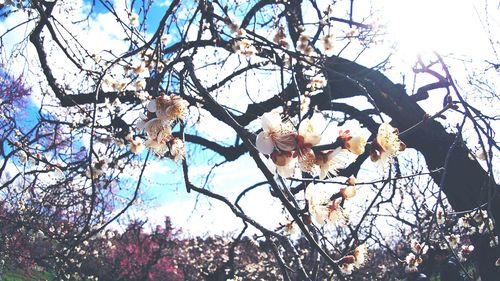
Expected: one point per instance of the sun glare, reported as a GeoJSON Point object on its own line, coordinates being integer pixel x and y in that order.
{"type": "Point", "coordinates": [445, 26]}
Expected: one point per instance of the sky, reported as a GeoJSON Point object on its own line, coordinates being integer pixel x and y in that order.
{"type": "Point", "coordinates": [454, 28]}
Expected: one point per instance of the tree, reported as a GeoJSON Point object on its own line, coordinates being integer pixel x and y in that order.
{"type": "Point", "coordinates": [264, 72]}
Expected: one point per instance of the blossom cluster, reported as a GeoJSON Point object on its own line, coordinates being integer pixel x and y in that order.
{"type": "Point", "coordinates": [387, 144]}
{"type": "Point", "coordinates": [163, 112]}
{"type": "Point", "coordinates": [457, 240]}
{"type": "Point", "coordinates": [295, 151]}
{"type": "Point", "coordinates": [131, 75]}
{"type": "Point", "coordinates": [244, 47]}
{"type": "Point", "coordinates": [241, 46]}
{"type": "Point", "coordinates": [290, 148]}
{"type": "Point", "coordinates": [356, 260]}
{"type": "Point", "coordinates": [234, 26]}
{"type": "Point", "coordinates": [414, 258]}
{"type": "Point", "coordinates": [475, 223]}
{"type": "Point", "coordinates": [280, 38]}
{"type": "Point", "coordinates": [303, 45]}
{"type": "Point", "coordinates": [324, 200]}
{"type": "Point", "coordinates": [129, 78]}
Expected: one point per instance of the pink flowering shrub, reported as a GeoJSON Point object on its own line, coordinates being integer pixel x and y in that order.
{"type": "Point", "coordinates": [135, 254]}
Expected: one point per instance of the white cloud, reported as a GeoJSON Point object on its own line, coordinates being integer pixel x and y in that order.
{"type": "Point", "coordinates": [198, 216]}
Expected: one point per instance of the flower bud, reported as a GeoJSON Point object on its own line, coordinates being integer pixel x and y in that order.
{"type": "Point", "coordinates": [348, 192]}
{"type": "Point", "coordinates": [351, 180]}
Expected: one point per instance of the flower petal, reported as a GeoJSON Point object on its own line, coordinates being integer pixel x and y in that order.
{"type": "Point", "coordinates": [309, 132]}
{"type": "Point", "coordinates": [323, 171]}
{"type": "Point", "coordinates": [307, 159]}
{"type": "Point", "coordinates": [356, 145]}
{"type": "Point", "coordinates": [388, 138]}
{"type": "Point", "coordinates": [152, 106]}
{"type": "Point", "coordinates": [271, 121]}
{"type": "Point", "coordinates": [264, 143]}
{"type": "Point", "coordinates": [141, 124]}
{"type": "Point", "coordinates": [285, 171]}
{"type": "Point", "coordinates": [286, 141]}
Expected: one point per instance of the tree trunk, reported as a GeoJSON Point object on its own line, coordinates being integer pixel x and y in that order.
{"type": "Point", "coordinates": [466, 184]}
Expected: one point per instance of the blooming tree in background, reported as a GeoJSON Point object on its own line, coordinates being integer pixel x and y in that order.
{"type": "Point", "coordinates": [365, 177]}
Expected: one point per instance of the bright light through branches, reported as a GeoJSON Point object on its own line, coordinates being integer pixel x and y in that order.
{"type": "Point", "coordinates": [445, 26]}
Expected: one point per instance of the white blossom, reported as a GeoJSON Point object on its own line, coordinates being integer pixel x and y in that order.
{"type": "Point", "coordinates": [244, 47]}
{"type": "Point", "coordinates": [387, 144]}
{"type": "Point", "coordinates": [177, 149]}
{"type": "Point", "coordinates": [169, 107]}
{"type": "Point", "coordinates": [322, 209]}
{"type": "Point", "coordinates": [327, 45]}
{"type": "Point", "coordinates": [412, 262]}
{"type": "Point", "coordinates": [134, 19]}
{"type": "Point", "coordinates": [275, 134]}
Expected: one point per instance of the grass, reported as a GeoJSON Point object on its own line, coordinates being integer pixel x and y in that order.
{"type": "Point", "coordinates": [17, 275]}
